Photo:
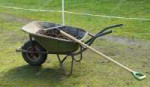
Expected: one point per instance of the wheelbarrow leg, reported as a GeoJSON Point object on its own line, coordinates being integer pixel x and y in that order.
{"type": "Point", "coordinates": [62, 61]}
{"type": "Point", "coordinates": [81, 56]}
{"type": "Point", "coordinates": [72, 61]}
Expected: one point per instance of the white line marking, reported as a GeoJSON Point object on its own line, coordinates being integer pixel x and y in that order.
{"type": "Point", "coordinates": [106, 16]}
{"type": "Point", "coordinates": [36, 10]}
{"type": "Point", "coordinates": [87, 14]}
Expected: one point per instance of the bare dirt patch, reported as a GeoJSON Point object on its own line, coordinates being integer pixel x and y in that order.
{"type": "Point", "coordinates": [126, 41]}
{"type": "Point", "coordinates": [14, 18]}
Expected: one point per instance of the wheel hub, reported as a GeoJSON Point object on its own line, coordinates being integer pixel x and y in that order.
{"type": "Point", "coordinates": [33, 56]}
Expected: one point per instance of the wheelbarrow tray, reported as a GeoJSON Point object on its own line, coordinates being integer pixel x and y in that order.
{"type": "Point", "coordinates": [55, 45]}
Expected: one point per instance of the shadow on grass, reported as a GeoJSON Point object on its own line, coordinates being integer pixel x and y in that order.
{"type": "Point", "coordinates": [29, 73]}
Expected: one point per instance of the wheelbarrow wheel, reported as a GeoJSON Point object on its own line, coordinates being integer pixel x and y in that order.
{"type": "Point", "coordinates": [34, 59]}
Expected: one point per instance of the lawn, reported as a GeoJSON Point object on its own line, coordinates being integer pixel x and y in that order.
{"type": "Point", "coordinates": [122, 8]}
{"type": "Point", "coordinates": [131, 49]}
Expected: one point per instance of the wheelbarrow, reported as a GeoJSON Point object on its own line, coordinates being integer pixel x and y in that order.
{"type": "Point", "coordinates": [36, 49]}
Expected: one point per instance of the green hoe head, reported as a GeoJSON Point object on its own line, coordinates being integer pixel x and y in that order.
{"type": "Point", "coordinates": [138, 75]}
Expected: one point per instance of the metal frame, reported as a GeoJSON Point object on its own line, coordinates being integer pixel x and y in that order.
{"type": "Point", "coordinates": [72, 55]}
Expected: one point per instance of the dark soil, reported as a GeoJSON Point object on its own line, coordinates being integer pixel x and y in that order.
{"type": "Point", "coordinates": [52, 33]}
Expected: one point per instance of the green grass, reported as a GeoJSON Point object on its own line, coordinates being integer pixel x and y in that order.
{"type": "Point", "coordinates": [93, 71]}
{"type": "Point", "coordinates": [134, 8]}
{"type": "Point", "coordinates": [124, 8]}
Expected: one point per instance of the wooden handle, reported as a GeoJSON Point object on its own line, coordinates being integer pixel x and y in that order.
{"type": "Point", "coordinates": [103, 55]}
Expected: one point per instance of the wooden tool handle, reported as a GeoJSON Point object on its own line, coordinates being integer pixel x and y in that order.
{"type": "Point", "coordinates": [103, 55]}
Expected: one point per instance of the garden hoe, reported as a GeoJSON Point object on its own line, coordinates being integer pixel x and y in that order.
{"type": "Point", "coordinates": [137, 75]}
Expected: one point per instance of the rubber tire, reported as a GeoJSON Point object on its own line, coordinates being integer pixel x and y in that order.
{"type": "Point", "coordinates": [40, 60]}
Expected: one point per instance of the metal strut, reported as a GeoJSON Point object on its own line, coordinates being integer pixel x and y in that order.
{"type": "Point", "coordinates": [62, 61]}
{"type": "Point", "coordinates": [72, 60]}
{"type": "Point", "coordinates": [31, 43]}
{"type": "Point", "coordinates": [81, 56]}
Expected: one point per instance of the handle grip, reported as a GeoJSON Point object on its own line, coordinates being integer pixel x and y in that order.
{"type": "Point", "coordinates": [118, 25]}
{"type": "Point", "coordinates": [113, 26]}
{"type": "Point", "coordinates": [103, 33]}
{"type": "Point", "coordinates": [138, 75]}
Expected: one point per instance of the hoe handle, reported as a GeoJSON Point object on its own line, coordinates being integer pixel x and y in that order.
{"type": "Point", "coordinates": [135, 74]}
